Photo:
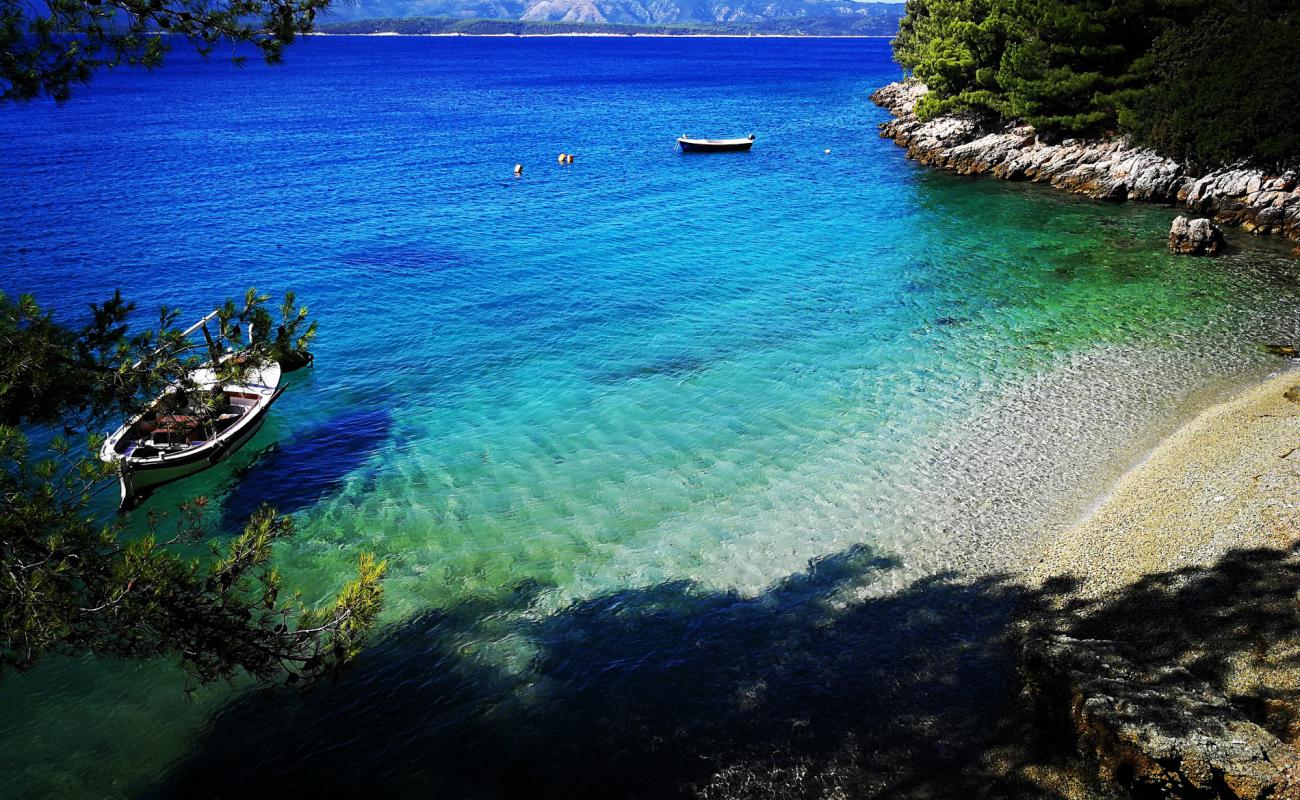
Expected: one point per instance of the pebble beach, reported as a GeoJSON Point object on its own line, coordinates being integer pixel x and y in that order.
{"type": "Point", "coordinates": [1226, 480]}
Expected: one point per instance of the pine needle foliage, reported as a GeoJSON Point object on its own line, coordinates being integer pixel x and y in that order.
{"type": "Point", "coordinates": [48, 47]}
{"type": "Point", "coordinates": [73, 583]}
{"type": "Point", "coordinates": [1212, 81]}
{"type": "Point", "coordinates": [955, 47]}
{"type": "Point", "coordinates": [1228, 87]}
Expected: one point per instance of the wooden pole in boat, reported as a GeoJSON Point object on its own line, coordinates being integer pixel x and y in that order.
{"type": "Point", "coordinates": [212, 347]}
{"type": "Point", "coordinates": [184, 334]}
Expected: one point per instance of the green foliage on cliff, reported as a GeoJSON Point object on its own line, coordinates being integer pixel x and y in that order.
{"type": "Point", "coordinates": [1068, 65]}
{"type": "Point", "coordinates": [1210, 80]}
{"type": "Point", "coordinates": [955, 46]}
{"type": "Point", "coordinates": [1229, 88]}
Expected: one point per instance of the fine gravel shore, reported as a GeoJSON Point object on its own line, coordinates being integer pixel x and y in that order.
{"type": "Point", "coordinates": [1164, 635]}
{"type": "Point", "coordinates": [1228, 479]}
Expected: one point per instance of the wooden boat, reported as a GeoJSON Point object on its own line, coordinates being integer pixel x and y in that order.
{"type": "Point", "coordinates": [690, 145]}
{"type": "Point", "coordinates": [157, 447]}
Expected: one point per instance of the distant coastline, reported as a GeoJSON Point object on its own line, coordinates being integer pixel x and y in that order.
{"type": "Point", "coordinates": [881, 24]}
{"type": "Point", "coordinates": [578, 35]}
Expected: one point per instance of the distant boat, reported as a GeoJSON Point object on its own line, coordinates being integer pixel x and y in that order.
{"type": "Point", "coordinates": [690, 145]}
{"type": "Point", "coordinates": [157, 447]}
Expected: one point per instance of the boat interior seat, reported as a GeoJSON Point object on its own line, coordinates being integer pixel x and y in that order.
{"type": "Point", "coordinates": [229, 417]}
{"type": "Point", "coordinates": [165, 439]}
{"type": "Point", "coordinates": [141, 450]}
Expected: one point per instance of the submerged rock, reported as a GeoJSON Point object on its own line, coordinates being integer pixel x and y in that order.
{"type": "Point", "coordinates": [1156, 732]}
{"type": "Point", "coordinates": [1284, 350]}
{"type": "Point", "coordinates": [1195, 237]}
{"type": "Point", "coordinates": [1111, 169]}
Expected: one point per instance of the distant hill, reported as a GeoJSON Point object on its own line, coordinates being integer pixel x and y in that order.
{"type": "Point", "coordinates": [806, 26]}
{"type": "Point", "coordinates": [772, 16]}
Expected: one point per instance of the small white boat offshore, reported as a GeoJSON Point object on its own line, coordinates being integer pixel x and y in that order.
{"type": "Point", "coordinates": [690, 145]}
{"type": "Point", "coordinates": [157, 446]}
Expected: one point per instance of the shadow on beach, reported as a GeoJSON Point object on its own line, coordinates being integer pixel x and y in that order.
{"type": "Point", "coordinates": [807, 690]}
{"type": "Point", "coordinates": [1234, 627]}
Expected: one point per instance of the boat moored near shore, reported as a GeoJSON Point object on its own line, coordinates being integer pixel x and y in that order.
{"type": "Point", "coordinates": [191, 427]}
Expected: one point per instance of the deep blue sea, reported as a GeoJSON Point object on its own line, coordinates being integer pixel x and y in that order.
{"type": "Point", "coordinates": [697, 475]}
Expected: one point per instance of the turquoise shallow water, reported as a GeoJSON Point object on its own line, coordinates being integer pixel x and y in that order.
{"type": "Point", "coordinates": [688, 469]}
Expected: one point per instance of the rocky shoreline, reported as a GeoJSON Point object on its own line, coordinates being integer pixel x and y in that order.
{"type": "Point", "coordinates": [1105, 169]}
{"type": "Point", "coordinates": [1161, 644]}
{"type": "Point", "coordinates": [1190, 686]}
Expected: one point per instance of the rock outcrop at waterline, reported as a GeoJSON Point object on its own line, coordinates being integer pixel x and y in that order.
{"type": "Point", "coordinates": [1195, 237]}
{"type": "Point", "coordinates": [1155, 732]}
{"type": "Point", "coordinates": [1107, 169]}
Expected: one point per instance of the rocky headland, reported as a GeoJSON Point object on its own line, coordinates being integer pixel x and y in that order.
{"type": "Point", "coordinates": [1109, 169]}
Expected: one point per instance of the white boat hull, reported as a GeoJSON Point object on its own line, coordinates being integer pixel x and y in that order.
{"type": "Point", "coordinates": [137, 475]}
{"type": "Point", "coordinates": [689, 145]}
{"type": "Point", "coordinates": [139, 479]}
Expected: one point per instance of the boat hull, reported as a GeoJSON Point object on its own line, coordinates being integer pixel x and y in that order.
{"type": "Point", "coordinates": [689, 146]}
{"type": "Point", "coordinates": [137, 475]}
{"type": "Point", "coordinates": [138, 480]}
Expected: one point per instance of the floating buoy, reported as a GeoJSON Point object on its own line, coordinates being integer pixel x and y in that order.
{"type": "Point", "coordinates": [561, 159]}
{"type": "Point", "coordinates": [519, 169]}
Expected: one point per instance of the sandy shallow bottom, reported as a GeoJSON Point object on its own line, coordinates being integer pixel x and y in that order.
{"type": "Point", "coordinates": [1228, 479]}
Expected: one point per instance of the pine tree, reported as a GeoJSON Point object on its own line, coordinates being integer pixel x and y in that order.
{"type": "Point", "coordinates": [1212, 81]}
{"type": "Point", "coordinates": [1070, 64]}
{"type": "Point", "coordinates": [73, 583]}
{"type": "Point", "coordinates": [1226, 88]}
{"type": "Point", "coordinates": [954, 46]}
{"type": "Point", "coordinates": [47, 49]}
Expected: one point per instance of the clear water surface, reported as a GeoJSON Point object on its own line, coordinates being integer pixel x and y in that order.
{"type": "Point", "coordinates": [689, 469]}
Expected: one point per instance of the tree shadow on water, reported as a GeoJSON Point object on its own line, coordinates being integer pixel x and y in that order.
{"type": "Point", "coordinates": [814, 688]}
{"type": "Point", "coordinates": [295, 474]}
{"type": "Point", "coordinates": [808, 689]}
